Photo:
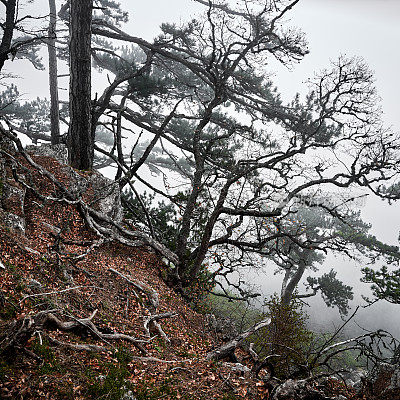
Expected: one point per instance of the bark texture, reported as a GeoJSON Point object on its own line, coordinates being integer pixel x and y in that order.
{"type": "Point", "coordinates": [53, 80]}
{"type": "Point", "coordinates": [80, 139]}
{"type": "Point", "coordinates": [8, 27]}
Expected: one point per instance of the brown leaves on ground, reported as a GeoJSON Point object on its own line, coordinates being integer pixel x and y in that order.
{"type": "Point", "coordinates": [43, 261]}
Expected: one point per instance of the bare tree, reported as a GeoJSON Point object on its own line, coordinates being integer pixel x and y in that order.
{"type": "Point", "coordinates": [248, 168]}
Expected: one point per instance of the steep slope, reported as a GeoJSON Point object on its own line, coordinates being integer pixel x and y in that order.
{"type": "Point", "coordinates": [81, 310]}
{"type": "Point", "coordinates": [84, 316]}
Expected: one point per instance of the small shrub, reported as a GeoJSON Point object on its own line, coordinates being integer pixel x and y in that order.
{"type": "Point", "coordinates": [5, 369]}
{"type": "Point", "coordinates": [8, 310]}
{"type": "Point", "coordinates": [123, 355]}
{"type": "Point", "coordinates": [50, 363]}
{"type": "Point", "coordinates": [286, 336]}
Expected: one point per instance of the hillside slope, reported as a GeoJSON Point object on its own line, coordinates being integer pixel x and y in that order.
{"type": "Point", "coordinates": [84, 316]}
{"type": "Point", "coordinates": [52, 265]}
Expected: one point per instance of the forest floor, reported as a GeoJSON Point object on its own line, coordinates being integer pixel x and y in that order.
{"type": "Point", "coordinates": [42, 272]}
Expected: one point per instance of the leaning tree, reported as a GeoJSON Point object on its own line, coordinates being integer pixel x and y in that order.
{"type": "Point", "coordinates": [240, 156]}
{"type": "Point", "coordinates": [199, 108]}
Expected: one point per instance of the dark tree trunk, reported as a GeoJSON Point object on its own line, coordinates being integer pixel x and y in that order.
{"type": "Point", "coordinates": [290, 287]}
{"type": "Point", "coordinates": [183, 235]}
{"type": "Point", "coordinates": [8, 27]}
{"type": "Point", "coordinates": [208, 230]}
{"type": "Point", "coordinates": [118, 139]}
{"type": "Point", "coordinates": [53, 80]}
{"type": "Point", "coordinates": [80, 138]}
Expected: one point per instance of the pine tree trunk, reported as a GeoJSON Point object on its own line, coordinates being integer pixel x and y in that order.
{"type": "Point", "coordinates": [290, 287]}
{"type": "Point", "coordinates": [8, 30]}
{"type": "Point", "coordinates": [53, 80]}
{"type": "Point", "coordinates": [80, 140]}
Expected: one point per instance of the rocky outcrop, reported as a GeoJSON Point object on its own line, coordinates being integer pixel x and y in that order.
{"type": "Point", "coordinates": [107, 196]}
{"type": "Point", "coordinates": [104, 194]}
{"type": "Point", "coordinates": [57, 151]}
{"type": "Point", "coordinates": [12, 194]}
{"type": "Point", "coordinates": [224, 327]}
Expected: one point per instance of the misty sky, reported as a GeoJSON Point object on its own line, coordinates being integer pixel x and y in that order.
{"type": "Point", "coordinates": [366, 28]}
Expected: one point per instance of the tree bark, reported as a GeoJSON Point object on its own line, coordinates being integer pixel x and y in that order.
{"type": "Point", "coordinates": [9, 26]}
{"type": "Point", "coordinates": [228, 349]}
{"type": "Point", "coordinates": [287, 292]}
{"type": "Point", "coordinates": [53, 80]}
{"type": "Point", "coordinates": [80, 138]}
{"type": "Point", "coordinates": [208, 230]}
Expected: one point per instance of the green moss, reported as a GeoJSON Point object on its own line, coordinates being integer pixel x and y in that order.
{"type": "Point", "coordinates": [8, 311]}
{"type": "Point", "coordinates": [50, 362]}
{"type": "Point", "coordinates": [115, 383]}
{"type": "Point", "coordinates": [229, 396]}
{"type": "Point", "coordinates": [113, 386]}
{"type": "Point", "coordinates": [148, 391]}
{"type": "Point", "coordinates": [65, 392]}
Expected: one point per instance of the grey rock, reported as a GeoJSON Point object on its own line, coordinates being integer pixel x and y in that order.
{"type": "Point", "coordinates": [225, 327]}
{"type": "Point", "coordinates": [14, 222]}
{"type": "Point", "coordinates": [2, 266]}
{"type": "Point", "coordinates": [57, 151]}
{"type": "Point", "coordinates": [237, 368]}
{"type": "Point", "coordinates": [354, 377]}
{"type": "Point", "coordinates": [12, 199]}
{"type": "Point", "coordinates": [107, 196]}
{"type": "Point", "coordinates": [7, 144]}
{"type": "Point", "coordinates": [106, 193]}
{"type": "Point", "coordinates": [395, 380]}
{"type": "Point", "coordinates": [291, 389]}
{"type": "Point", "coordinates": [128, 395]}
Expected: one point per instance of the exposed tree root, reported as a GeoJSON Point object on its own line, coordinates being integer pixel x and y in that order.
{"type": "Point", "coordinates": [77, 347]}
{"type": "Point", "coordinates": [95, 348]}
{"type": "Point", "coordinates": [151, 321]}
{"type": "Point", "coordinates": [18, 333]}
{"type": "Point", "coordinates": [151, 294]}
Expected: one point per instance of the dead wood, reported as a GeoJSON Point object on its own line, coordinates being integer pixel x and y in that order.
{"type": "Point", "coordinates": [228, 349]}
{"type": "Point", "coordinates": [95, 348]}
{"type": "Point", "coordinates": [18, 333]}
{"type": "Point", "coordinates": [77, 347]}
{"type": "Point", "coordinates": [151, 294]}
{"type": "Point", "coordinates": [151, 321]}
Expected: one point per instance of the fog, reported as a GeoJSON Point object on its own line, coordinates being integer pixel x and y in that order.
{"type": "Point", "coordinates": [366, 28]}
